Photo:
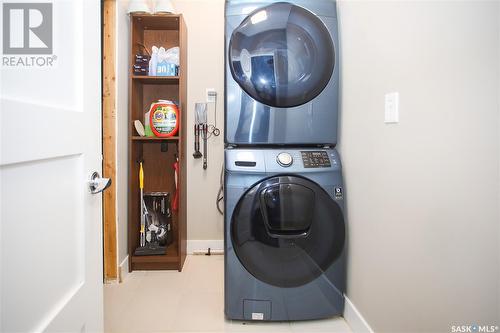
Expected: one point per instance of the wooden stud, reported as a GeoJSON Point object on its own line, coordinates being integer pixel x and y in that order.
{"type": "Point", "coordinates": [109, 141]}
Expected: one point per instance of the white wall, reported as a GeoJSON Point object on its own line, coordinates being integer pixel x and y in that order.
{"type": "Point", "coordinates": [205, 24]}
{"type": "Point", "coordinates": [422, 195]}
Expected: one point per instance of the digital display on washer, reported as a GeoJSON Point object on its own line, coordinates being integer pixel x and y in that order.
{"type": "Point", "coordinates": [315, 159]}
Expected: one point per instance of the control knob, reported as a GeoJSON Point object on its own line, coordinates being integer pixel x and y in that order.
{"type": "Point", "coordinates": [284, 159]}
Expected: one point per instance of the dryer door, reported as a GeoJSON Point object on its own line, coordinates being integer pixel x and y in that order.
{"type": "Point", "coordinates": [282, 55]}
{"type": "Point", "coordinates": [286, 231]}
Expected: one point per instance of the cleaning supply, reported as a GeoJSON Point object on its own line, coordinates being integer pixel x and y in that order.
{"type": "Point", "coordinates": [153, 62]}
{"type": "Point", "coordinates": [159, 210]}
{"type": "Point", "coordinates": [166, 69]}
{"type": "Point", "coordinates": [147, 125]}
{"type": "Point", "coordinates": [141, 64]}
{"type": "Point", "coordinates": [139, 128]}
{"type": "Point", "coordinates": [148, 240]}
{"type": "Point", "coordinates": [162, 68]}
{"type": "Point", "coordinates": [143, 207]}
{"type": "Point", "coordinates": [172, 55]}
{"type": "Point", "coordinates": [167, 62]}
{"type": "Point", "coordinates": [164, 118]}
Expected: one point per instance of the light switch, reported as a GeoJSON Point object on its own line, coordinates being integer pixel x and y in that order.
{"type": "Point", "coordinates": [392, 108]}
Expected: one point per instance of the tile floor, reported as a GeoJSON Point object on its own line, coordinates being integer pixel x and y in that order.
{"type": "Point", "coordinates": [191, 301]}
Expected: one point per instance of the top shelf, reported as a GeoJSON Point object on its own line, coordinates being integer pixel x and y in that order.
{"type": "Point", "coordinates": [157, 21]}
{"type": "Point", "coordinates": [156, 79]}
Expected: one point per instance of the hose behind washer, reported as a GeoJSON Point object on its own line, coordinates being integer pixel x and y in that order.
{"type": "Point", "coordinates": [220, 194]}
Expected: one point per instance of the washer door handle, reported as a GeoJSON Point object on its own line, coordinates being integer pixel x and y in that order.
{"type": "Point", "coordinates": [275, 203]}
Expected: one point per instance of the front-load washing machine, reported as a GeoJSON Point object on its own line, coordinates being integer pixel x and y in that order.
{"type": "Point", "coordinates": [284, 234]}
{"type": "Point", "coordinates": [282, 72]}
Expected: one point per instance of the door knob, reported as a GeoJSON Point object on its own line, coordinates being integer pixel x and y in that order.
{"type": "Point", "coordinates": [98, 184]}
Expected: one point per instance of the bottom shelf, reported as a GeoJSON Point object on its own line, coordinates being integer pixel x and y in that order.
{"type": "Point", "coordinates": [169, 260]}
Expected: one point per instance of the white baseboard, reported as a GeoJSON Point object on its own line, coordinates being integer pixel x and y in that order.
{"type": "Point", "coordinates": [354, 318]}
{"type": "Point", "coordinates": [123, 270]}
{"type": "Point", "coordinates": [204, 244]}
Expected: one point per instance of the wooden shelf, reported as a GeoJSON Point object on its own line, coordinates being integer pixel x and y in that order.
{"type": "Point", "coordinates": [156, 79]}
{"type": "Point", "coordinates": [167, 31]}
{"type": "Point", "coordinates": [172, 255]}
{"type": "Point", "coordinates": [154, 138]}
{"type": "Point", "coordinates": [170, 260]}
{"type": "Point", "coordinates": [157, 21]}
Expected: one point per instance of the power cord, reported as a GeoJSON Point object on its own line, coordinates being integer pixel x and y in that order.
{"type": "Point", "coordinates": [220, 194]}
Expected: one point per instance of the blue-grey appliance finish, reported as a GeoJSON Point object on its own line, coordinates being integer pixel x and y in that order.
{"type": "Point", "coordinates": [282, 72]}
{"type": "Point", "coordinates": [284, 234]}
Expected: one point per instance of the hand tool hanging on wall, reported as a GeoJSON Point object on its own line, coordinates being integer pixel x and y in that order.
{"type": "Point", "coordinates": [198, 128]}
{"type": "Point", "coordinates": [201, 128]}
{"type": "Point", "coordinates": [205, 151]}
{"type": "Point", "coordinates": [196, 153]}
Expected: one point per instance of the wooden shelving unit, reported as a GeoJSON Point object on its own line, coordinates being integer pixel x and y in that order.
{"type": "Point", "coordinates": [167, 31]}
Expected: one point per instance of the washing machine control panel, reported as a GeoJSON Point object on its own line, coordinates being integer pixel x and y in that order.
{"type": "Point", "coordinates": [284, 159]}
{"type": "Point", "coordinates": [279, 160]}
{"type": "Point", "coordinates": [315, 159]}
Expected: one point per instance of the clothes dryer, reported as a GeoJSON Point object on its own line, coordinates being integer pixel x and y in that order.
{"type": "Point", "coordinates": [282, 72]}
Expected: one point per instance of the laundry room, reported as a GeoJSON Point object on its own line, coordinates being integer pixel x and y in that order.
{"type": "Point", "coordinates": [250, 166]}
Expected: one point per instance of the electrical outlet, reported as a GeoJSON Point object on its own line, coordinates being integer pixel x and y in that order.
{"type": "Point", "coordinates": [211, 95]}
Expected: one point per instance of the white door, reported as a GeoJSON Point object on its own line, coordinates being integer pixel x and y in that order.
{"type": "Point", "coordinates": [51, 233]}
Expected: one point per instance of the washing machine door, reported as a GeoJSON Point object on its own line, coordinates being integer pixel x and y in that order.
{"type": "Point", "coordinates": [287, 231]}
{"type": "Point", "coordinates": [281, 55]}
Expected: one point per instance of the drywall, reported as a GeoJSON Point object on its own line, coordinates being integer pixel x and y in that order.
{"type": "Point", "coordinates": [122, 70]}
{"type": "Point", "coordinates": [205, 24]}
{"type": "Point", "coordinates": [422, 195]}
{"type": "Point", "coordinates": [498, 105]}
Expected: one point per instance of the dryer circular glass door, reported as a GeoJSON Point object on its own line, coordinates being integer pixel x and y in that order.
{"type": "Point", "coordinates": [282, 55]}
{"type": "Point", "coordinates": [286, 231]}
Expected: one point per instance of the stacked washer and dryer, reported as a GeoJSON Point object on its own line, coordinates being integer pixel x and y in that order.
{"type": "Point", "coordinates": [284, 224]}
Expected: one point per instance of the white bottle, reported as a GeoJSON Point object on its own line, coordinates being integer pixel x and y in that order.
{"type": "Point", "coordinates": [153, 62]}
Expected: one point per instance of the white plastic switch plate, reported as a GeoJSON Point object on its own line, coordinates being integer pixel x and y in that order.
{"type": "Point", "coordinates": [392, 108]}
{"type": "Point", "coordinates": [211, 95]}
